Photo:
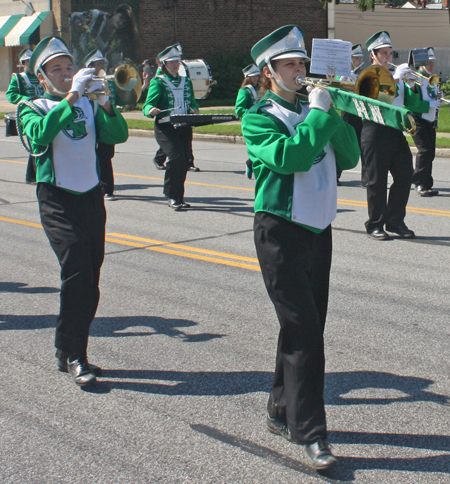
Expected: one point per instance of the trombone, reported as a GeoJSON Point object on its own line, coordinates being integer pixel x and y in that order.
{"type": "Point", "coordinates": [433, 80]}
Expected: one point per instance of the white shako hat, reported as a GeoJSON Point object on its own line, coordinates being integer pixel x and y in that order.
{"type": "Point", "coordinates": [379, 40]}
{"type": "Point", "coordinates": [173, 52]}
{"type": "Point", "coordinates": [93, 56]}
{"type": "Point", "coordinates": [357, 50]}
{"type": "Point", "coordinates": [24, 55]}
{"type": "Point", "coordinates": [282, 43]}
{"type": "Point", "coordinates": [251, 70]}
{"type": "Point", "coordinates": [46, 50]}
{"type": "Point", "coordinates": [430, 51]}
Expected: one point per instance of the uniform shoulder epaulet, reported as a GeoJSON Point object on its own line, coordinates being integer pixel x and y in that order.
{"type": "Point", "coordinates": [256, 108]}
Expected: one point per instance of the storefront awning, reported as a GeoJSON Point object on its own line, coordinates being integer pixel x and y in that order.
{"type": "Point", "coordinates": [25, 31]}
{"type": "Point", "coordinates": [6, 25]}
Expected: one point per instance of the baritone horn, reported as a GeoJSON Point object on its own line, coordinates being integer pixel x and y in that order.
{"type": "Point", "coordinates": [374, 82]}
{"type": "Point", "coordinates": [127, 81]}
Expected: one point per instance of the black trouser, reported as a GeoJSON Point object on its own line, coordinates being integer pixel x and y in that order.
{"type": "Point", "coordinates": [105, 155]}
{"type": "Point", "coordinates": [295, 265]}
{"type": "Point", "coordinates": [75, 227]}
{"type": "Point", "coordinates": [356, 122]}
{"type": "Point", "coordinates": [425, 140]}
{"type": "Point", "coordinates": [160, 157]}
{"type": "Point", "coordinates": [385, 150]}
{"type": "Point", "coordinates": [176, 145]}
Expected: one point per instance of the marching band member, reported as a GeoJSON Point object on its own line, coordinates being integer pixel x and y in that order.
{"type": "Point", "coordinates": [170, 93]}
{"type": "Point", "coordinates": [70, 199]}
{"type": "Point", "coordinates": [246, 98]}
{"type": "Point", "coordinates": [352, 119]}
{"type": "Point", "coordinates": [295, 148]}
{"type": "Point", "coordinates": [384, 150]}
{"type": "Point", "coordinates": [425, 134]}
{"type": "Point", "coordinates": [105, 151]}
{"type": "Point", "coordinates": [25, 86]}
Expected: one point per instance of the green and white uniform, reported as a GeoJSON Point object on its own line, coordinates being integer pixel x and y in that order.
{"type": "Point", "coordinates": [167, 92]}
{"type": "Point", "coordinates": [246, 98]}
{"type": "Point", "coordinates": [72, 132]}
{"type": "Point", "coordinates": [24, 86]}
{"type": "Point", "coordinates": [425, 117]}
{"type": "Point", "coordinates": [294, 151]}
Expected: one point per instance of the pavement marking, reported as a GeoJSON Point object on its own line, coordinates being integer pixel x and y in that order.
{"type": "Point", "coordinates": [340, 201]}
{"type": "Point", "coordinates": [168, 248]}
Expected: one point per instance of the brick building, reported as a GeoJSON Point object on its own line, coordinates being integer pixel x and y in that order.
{"type": "Point", "coordinates": [209, 27]}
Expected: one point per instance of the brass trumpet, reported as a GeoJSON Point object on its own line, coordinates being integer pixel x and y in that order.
{"type": "Point", "coordinates": [433, 80]}
{"type": "Point", "coordinates": [126, 79]}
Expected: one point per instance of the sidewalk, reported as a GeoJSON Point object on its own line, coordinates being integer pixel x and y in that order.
{"type": "Point", "coordinates": [6, 107]}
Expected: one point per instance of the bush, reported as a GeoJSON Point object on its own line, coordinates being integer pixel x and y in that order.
{"type": "Point", "coordinates": [445, 86]}
{"type": "Point", "coordinates": [226, 69]}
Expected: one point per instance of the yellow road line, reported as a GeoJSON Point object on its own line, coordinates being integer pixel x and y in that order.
{"type": "Point", "coordinates": [185, 247]}
{"type": "Point", "coordinates": [184, 254]}
{"type": "Point", "coordinates": [354, 203]}
{"type": "Point", "coordinates": [426, 211]}
{"type": "Point", "coordinates": [167, 248]}
{"type": "Point", "coordinates": [20, 222]}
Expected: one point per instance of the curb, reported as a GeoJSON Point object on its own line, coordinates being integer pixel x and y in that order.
{"type": "Point", "coordinates": [148, 133]}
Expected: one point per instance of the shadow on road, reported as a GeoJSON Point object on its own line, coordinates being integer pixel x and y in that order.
{"type": "Point", "coordinates": [116, 327]}
{"type": "Point", "coordinates": [25, 288]}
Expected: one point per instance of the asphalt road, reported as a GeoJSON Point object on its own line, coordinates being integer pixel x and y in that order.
{"type": "Point", "coordinates": [187, 336]}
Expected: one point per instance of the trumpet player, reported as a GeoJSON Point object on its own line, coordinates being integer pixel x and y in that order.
{"type": "Point", "coordinates": [384, 150]}
{"type": "Point", "coordinates": [425, 134]}
{"type": "Point", "coordinates": [63, 127]}
{"type": "Point", "coordinates": [105, 151]}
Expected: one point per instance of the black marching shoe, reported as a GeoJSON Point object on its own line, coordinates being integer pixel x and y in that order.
{"type": "Point", "coordinates": [378, 234]}
{"type": "Point", "coordinates": [62, 366]}
{"type": "Point", "coordinates": [194, 168]}
{"type": "Point", "coordinates": [185, 205]}
{"type": "Point", "coordinates": [279, 428]}
{"type": "Point", "coordinates": [158, 166]}
{"type": "Point", "coordinates": [320, 455]}
{"type": "Point", "coordinates": [81, 372]}
{"type": "Point", "coordinates": [401, 230]}
{"type": "Point", "coordinates": [426, 192]}
{"type": "Point", "coordinates": [176, 204]}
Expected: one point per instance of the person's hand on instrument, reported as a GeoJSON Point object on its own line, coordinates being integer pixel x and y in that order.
{"type": "Point", "coordinates": [80, 79]}
{"type": "Point", "coordinates": [435, 103]}
{"type": "Point", "coordinates": [95, 86]}
{"type": "Point", "coordinates": [320, 99]}
{"type": "Point", "coordinates": [102, 99]}
{"type": "Point", "coordinates": [154, 111]}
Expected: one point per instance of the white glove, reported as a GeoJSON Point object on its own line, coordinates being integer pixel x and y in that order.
{"type": "Point", "coordinates": [401, 71]}
{"type": "Point", "coordinates": [435, 103]}
{"type": "Point", "coordinates": [80, 80]}
{"type": "Point", "coordinates": [96, 86]}
{"type": "Point", "coordinates": [320, 99]}
{"type": "Point", "coordinates": [102, 99]}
